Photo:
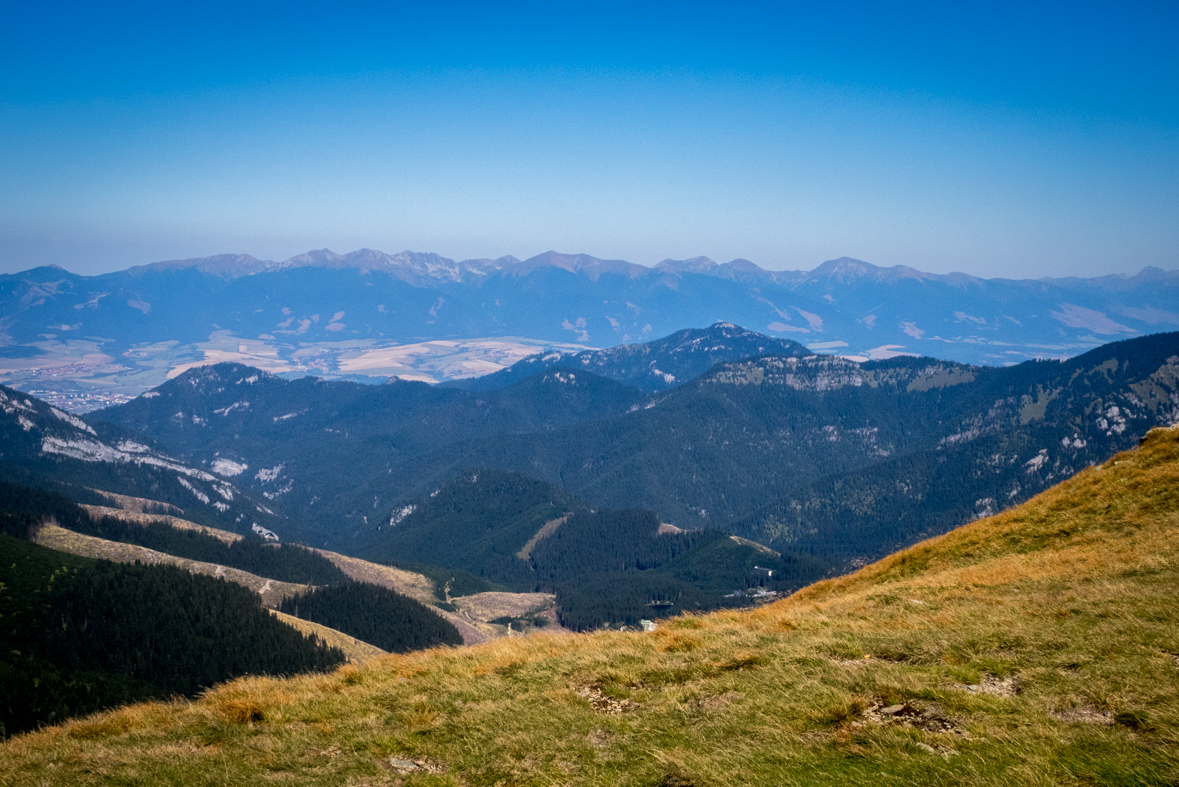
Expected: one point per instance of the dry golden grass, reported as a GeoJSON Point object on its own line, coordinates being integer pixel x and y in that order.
{"type": "Point", "coordinates": [1065, 609]}
{"type": "Point", "coordinates": [404, 582]}
{"type": "Point", "coordinates": [354, 649]}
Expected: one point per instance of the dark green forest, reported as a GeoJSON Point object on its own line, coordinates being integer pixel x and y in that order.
{"type": "Point", "coordinates": [23, 508]}
{"type": "Point", "coordinates": [612, 567]}
{"type": "Point", "coordinates": [79, 635]}
{"type": "Point", "coordinates": [606, 567]}
{"type": "Point", "coordinates": [374, 614]}
{"type": "Point", "coordinates": [284, 562]}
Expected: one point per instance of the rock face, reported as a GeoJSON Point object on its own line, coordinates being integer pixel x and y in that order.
{"type": "Point", "coordinates": [44, 443]}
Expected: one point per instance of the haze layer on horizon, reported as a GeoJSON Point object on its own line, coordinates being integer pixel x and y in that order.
{"type": "Point", "coordinates": [997, 141]}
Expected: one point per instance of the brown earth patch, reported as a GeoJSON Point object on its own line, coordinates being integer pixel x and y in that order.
{"type": "Point", "coordinates": [402, 766]}
{"type": "Point", "coordinates": [715, 702]}
{"type": "Point", "coordinates": [602, 702]}
{"type": "Point", "coordinates": [998, 687]}
{"type": "Point", "coordinates": [1083, 714]}
{"type": "Point", "coordinates": [922, 716]}
{"type": "Point", "coordinates": [483, 607]}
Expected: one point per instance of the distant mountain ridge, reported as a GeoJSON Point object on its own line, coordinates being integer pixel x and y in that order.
{"type": "Point", "coordinates": [367, 314]}
{"type": "Point", "coordinates": [429, 265]}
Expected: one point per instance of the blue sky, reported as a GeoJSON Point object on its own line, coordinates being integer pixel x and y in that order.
{"type": "Point", "coordinates": [997, 140]}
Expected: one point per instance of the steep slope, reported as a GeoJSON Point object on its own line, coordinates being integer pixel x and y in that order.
{"type": "Point", "coordinates": [1034, 647]}
{"type": "Point", "coordinates": [1073, 414]}
{"type": "Point", "coordinates": [41, 445]}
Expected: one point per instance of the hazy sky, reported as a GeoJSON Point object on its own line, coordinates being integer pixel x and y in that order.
{"type": "Point", "coordinates": [996, 140]}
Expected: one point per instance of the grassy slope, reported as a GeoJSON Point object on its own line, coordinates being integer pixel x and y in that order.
{"type": "Point", "coordinates": [1074, 595]}
{"type": "Point", "coordinates": [356, 650]}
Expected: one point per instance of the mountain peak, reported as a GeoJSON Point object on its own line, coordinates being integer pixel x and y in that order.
{"type": "Point", "coordinates": [227, 266]}
{"type": "Point", "coordinates": [845, 268]}
{"type": "Point", "coordinates": [745, 266]}
{"type": "Point", "coordinates": [581, 263]}
{"type": "Point", "coordinates": [848, 269]}
{"type": "Point", "coordinates": [694, 265]}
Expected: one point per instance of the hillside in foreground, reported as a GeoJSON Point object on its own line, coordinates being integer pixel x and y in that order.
{"type": "Point", "coordinates": [1034, 647]}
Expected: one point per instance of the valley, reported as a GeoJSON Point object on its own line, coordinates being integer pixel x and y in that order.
{"type": "Point", "coordinates": [746, 446]}
{"type": "Point", "coordinates": [849, 456]}
{"type": "Point", "coordinates": [631, 488]}
{"type": "Point", "coordinates": [1035, 646]}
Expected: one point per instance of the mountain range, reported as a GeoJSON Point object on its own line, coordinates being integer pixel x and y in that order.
{"type": "Point", "coordinates": [715, 467]}
{"type": "Point", "coordinates": [841, 459]}
{"type": "Point", "coordinates": [82, 342]}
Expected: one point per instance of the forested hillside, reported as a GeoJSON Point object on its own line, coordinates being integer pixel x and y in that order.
{"type": "Point", "coordinates": [615, 567]}
{"type": "Point", "coordinates": [79, 635]}
{"type": "Point", "coordinates": [375, 615]}
{"type": "Point", "coordinates": [477, 523]}
{"type": "Point", "coordinates": [45, 447]}
{"type": "Point", "coordinates": [752, 446]}
{"type": "Point", "coordinates": [284, 562]}
{"type": "Point", "coordinates": [605, 567]}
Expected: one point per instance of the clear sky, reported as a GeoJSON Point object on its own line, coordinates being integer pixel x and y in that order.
{"type": "Point", "coordinates": [1002, 140]}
